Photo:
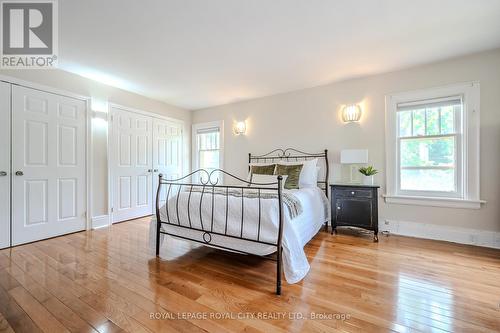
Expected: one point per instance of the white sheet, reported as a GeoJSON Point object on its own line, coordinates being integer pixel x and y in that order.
{"type": "Point", "coordinates": [297, 232]}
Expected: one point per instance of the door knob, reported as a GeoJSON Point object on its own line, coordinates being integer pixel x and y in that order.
{"type": "Point", "coordinates": [155, 170]}
{"type": "Point", "coordinates": [19, 173]}
{"type": "Point", "coordinates": [150, 170]}
{"type": "Point", "coordinates": [3, 173]}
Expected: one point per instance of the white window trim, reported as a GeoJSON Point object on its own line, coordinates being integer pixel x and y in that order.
{"type": "Point", "coordinates": [470, 153]}
{"type": "Point", "coordinates": [198, 126]}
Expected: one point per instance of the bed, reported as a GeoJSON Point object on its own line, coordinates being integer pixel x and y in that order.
{"type": "Point", "coordinates": [223, 211]}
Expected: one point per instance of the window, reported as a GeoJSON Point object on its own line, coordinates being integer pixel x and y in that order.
{"type": "Point", "coordinates": [208, 146]}
{"type": "Point", "coordinates": [433, 147]}
{"type": "Point", "coordinates": [208, 142]}
{"type": "Point", "coordinates": [429, 146]}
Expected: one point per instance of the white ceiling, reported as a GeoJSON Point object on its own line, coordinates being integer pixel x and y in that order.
{"type": "Point", "coordinates": [200, 53]}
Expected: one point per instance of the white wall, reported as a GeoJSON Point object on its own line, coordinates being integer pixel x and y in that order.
{"type": "Point", "coordinates": [309, 119]}
{"type": "Point", "coordinates": [79, 85]}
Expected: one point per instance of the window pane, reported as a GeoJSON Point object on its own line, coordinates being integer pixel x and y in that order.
{"type": "Point", "coordinates": [419, 122]}
{"type": "Point", "coordinates": [428, 180]}
{"type": "Point", "coordinates": [448, 119]}
{"type": "Point", "coordinates": [404, 123]}
{"type": "Point", "coordinates": [209, 159]}
{"type": "Point", "coordinates": [208, 141]}
{"type": "Point", "coordinates": [432, 127]}
{"type": "Point", "coordinates": [428, 152]}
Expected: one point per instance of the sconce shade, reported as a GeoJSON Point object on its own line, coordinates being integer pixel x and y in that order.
{"type": "Point", "coordinates": [98, 105]}
{"type": "Point", "coordinates": [240, 128]}
{"type": "Point", "coordinates": [351, 113]}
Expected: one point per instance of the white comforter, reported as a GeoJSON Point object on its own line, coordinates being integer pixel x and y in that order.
{"type": "Point", "coordinates": [297, 231]}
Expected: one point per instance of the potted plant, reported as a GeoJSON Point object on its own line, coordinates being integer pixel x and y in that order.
{"type": "Point", "coordinates": [368, 173]}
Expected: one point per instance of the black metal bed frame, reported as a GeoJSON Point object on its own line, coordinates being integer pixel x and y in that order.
{"type": "Point", "coordinates": [209, 184]}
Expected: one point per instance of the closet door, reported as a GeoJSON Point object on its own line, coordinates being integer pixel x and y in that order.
{"type": "Point", "coordinates": [131, 164]}
{"type": "Point", "coordinates": [167, 152]}
{"type": "Point", "coordinates": [4, 165]}
{"type": "Point", "coordinates": [48, 165]}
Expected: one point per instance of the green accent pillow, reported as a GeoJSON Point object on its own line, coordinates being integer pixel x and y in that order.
{"type": "Point", "coordinates": [262, 170]}
{"type": "Point", "coordinates": [293, 173]}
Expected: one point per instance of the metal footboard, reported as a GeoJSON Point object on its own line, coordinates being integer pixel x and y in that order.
{"type": "Point", "coordinates": [210, 187]}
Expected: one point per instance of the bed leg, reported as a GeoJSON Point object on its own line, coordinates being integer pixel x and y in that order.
{"type": "Point", "coordinates": [158, 219]}
{"type": "Point", "coordinates": [280, 238]}
{"type": "Point", "coordinates": [278, 271]}
{"type": "Point", "coordinates": [157, 239]}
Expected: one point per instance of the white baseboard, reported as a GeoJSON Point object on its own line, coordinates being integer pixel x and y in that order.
{"type": "Point", "coordinates": [100, 221]}
{"type": "Point", "coordinates": [445, 233]}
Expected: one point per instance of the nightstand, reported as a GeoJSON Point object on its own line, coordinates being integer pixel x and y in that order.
{"type": "Point", "coordinates": [355, 206]}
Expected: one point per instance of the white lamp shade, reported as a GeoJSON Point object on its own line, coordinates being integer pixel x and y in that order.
{"type": "Point", "coordinates": [98, 105]}
{"type": "Point", "coordinates": [240, 127]}
{"type": "Point", "coordinates": [353, 156]}
{"type": "Point", "coordinates": [351, 113]}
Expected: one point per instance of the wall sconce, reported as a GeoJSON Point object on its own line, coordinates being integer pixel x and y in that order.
{"type": "Point", "coordinates": [98, 105]}
{"type": "Point", "coordinates": [99, 123]}
{"type": "Point", "coordinates": [351, 113]}
{"type": "Point", "coordinates": [240, 128]}
{"type": "Point", "coordinates": [99, 109]}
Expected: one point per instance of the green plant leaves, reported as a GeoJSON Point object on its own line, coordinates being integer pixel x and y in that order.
{"type": "Point", "coordinates": [368, 171]}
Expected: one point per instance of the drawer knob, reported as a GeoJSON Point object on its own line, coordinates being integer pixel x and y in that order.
{"type": "Point", "coordinates": [338, 207]}
{"type": "Point", "coordinates": [352, 192]}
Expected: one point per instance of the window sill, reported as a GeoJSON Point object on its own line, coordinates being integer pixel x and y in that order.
{"type": "Point", "coordinates": [433, 201]}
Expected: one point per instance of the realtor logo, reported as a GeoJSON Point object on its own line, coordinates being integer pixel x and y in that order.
{"type": "Point", "coordinates": [29, 34]}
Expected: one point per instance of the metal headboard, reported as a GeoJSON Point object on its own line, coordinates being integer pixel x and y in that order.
{"type": "Point", "coordinates": [292, 155]}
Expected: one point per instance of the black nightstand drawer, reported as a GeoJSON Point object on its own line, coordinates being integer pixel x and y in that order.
{"type": "Point", "coordinates": [351, 193]}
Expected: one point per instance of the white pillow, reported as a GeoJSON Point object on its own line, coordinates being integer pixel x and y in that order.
{"type": "Point", "coordinates": [308, 175]}
{"type": "Point", "coordinates": [318, 170]}
{"type": "Point", "coordinates": [264, 179]}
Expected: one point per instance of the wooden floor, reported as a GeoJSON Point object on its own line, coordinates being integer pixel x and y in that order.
{"type": "Point", "coordinates": [108, 280]}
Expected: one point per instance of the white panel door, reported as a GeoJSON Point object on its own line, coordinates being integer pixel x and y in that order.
{"type": "Point", "coordinates": [48, 165]}
{"type": "Point", "coordinates": [4, 165]}
{"type": "Point", "coordinates": [131, 164]}
{"type": "Point", "coordinates": [167, 152]}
